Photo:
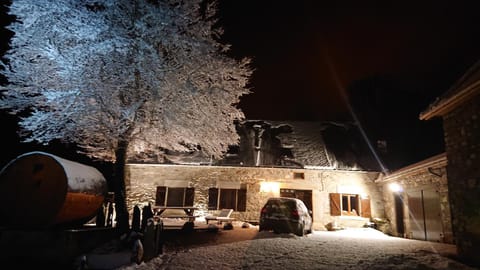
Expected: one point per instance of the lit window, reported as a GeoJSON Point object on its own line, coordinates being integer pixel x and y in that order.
{"type": "Point", "coordinates": [349, 205]}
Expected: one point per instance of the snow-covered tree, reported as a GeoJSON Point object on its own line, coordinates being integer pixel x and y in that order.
{"type": "Point", "coordinates": [118, 77]}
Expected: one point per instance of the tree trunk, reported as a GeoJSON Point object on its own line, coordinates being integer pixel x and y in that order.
{"type": "Point", "coordinates": [119, 186]}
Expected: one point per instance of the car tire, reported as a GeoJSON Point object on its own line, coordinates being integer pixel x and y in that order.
{"type": "Point", "coordinates": [310, 229]}
{"type": "Point", "coordinates": [300, 229]}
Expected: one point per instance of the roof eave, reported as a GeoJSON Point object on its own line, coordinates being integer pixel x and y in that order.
{"type": "Point", "coordinates": [446, 105]}
{"type": "Point", "coordinates": [437, 160]}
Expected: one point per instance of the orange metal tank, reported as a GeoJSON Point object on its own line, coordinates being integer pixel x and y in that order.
{"type": "Point", "coordinates": [39, 190]}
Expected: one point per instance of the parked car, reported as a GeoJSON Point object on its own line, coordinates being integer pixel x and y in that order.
{"type": "Point", "coordinates": [282, 214]}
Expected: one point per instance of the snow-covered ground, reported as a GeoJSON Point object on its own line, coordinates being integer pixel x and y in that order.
{"type": "Point", "coordinates": [361, 248]}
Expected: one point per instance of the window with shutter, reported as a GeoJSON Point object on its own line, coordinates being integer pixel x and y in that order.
{"type": "Point", "coordinates": [349, 205]}
{"type": "Point", "coordinates": [169, 196]}
{"type": "Point", "coordinates": [175, 196]}
{"type": "Point", "coordinates": [235, 199]}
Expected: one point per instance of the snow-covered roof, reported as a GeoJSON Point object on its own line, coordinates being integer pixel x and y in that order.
{"type": "Point", "coordinates": [325, 144]}
{"type": "Point", "coordinates": [307, 144]}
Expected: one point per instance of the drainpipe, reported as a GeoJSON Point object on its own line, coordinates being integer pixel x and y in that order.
{"type": "Point", "coordinates": [424, 220]}
{"type": "Point", "coordinates": [258, 142]}
{"type": "Point", "coordinates": [432, 171]}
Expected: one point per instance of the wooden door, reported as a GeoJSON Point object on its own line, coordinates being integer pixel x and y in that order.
{"type": "Point", "coordinates": [424, 214]}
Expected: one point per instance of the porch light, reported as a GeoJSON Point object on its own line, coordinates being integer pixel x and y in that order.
{"type": "Point", "coordinates": [394, 187]}
{"type": "Point", "coordinates": [269, 187]}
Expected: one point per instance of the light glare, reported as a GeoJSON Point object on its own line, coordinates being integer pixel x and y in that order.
{"type": "Point", "coordinates": [395, 187]}
{"type": "Point", "coordinates": [269, 187]}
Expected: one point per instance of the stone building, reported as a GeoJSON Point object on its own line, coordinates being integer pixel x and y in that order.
{"type": "Point", "coordinates": [294, 159]}
{"type": "Point", "coordinates": [416, 200]}
{"type": "Point", "coordinates": [459, 108]}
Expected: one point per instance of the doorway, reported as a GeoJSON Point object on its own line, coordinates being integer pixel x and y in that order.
{"type": "Point", "coordinates": [399, 216]}
{"type": "Point", "coordinates": [304, 195]}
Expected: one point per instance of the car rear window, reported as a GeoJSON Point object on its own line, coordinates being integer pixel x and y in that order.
{"type": "Point", "coordinates": [283, 205]}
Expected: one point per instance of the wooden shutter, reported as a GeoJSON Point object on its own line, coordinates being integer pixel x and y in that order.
{"type": "Point", "coordinates": [335, 209]}
{"type": "Point", "coordinates": [212, 198]}
{"type": "Point", "coordinates": [366, 209]}
{"type": "Point", "coordinates": [242, 200]}
{"type": "Point", "coordinates": [160, 196]}
{"type": "Point", "coordinates": [189, 196]}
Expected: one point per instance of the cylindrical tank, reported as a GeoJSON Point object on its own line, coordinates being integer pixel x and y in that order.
{"type": "Point", "coordinates": [39, 190]}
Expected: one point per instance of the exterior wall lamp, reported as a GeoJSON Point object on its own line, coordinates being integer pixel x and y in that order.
{"type": "Point", "coordinates": [395, 187]}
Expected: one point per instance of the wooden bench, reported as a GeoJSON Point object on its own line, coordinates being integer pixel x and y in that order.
{"type": "Point", "coordinates": [176, 217]}
{"type": "Point", "coordinates": [223, 216]}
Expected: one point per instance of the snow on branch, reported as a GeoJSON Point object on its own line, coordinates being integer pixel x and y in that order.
{"type": "Point", "coordinates": [150, 73]}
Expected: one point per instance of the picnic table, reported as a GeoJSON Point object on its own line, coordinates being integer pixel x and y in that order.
{"type": "Point", "coordinates": [182, 212]}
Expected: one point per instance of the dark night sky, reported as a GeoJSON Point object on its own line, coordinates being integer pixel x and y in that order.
{"type": "Point", "coordinates": [305, 51]}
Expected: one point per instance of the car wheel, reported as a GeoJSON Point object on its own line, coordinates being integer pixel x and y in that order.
{"type": "Point", "coordinates": [309, 230]}
{"type": "Point", "coordinates": [300, 229]}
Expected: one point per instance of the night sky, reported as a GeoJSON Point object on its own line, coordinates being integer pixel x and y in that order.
{"type": "Point", "coordinates": [306, 52]}
{"type": "Point", "coordinates": [314, 59]}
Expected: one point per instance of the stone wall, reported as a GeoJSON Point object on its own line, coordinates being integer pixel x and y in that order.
{"type": "Point", "coordinates": [142, 180]}
{"type": "Point", "coordinates": [425, 175]}
{"type": "Point", "coordinates": [462, 141]}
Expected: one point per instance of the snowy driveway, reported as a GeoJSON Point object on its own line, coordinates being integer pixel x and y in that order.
{"type": "Point", "coordinates": [347, 249]}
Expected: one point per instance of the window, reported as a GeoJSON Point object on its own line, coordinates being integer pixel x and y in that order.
{"type": "Point", "coordinates": [298, 175]}
{"type": "Point", "coordinates": [169, 196]}
{"type": "Point", "coordinates": [219, 198]}
{"type": "Point", "coordinates": [349, 205]}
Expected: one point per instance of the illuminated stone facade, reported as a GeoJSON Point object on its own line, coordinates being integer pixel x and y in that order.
{"type": "Point", "coordinates": [460, 110]}
{"type": "Point", "coordinates": [462, 139]}
{"type": "Point", "coordinates": [142, 180]}
{"type": "Point", "coordinates": [422, 184]}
